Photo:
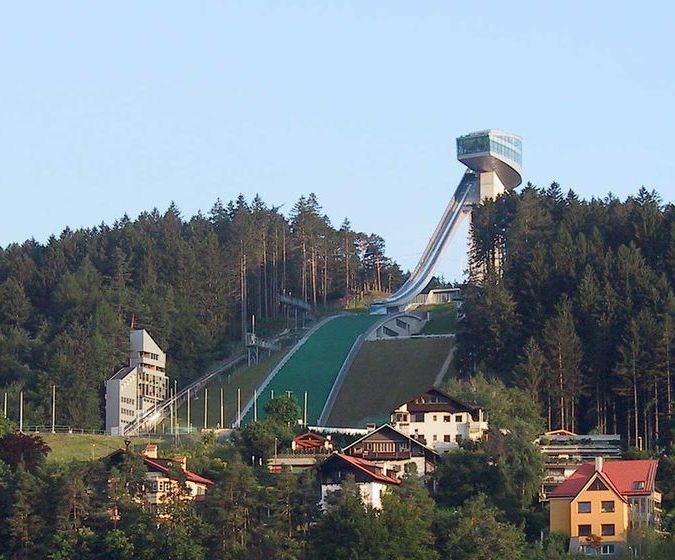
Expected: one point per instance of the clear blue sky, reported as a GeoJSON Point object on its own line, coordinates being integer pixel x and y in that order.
{"type": "Point", "coordinates": [107, 108]}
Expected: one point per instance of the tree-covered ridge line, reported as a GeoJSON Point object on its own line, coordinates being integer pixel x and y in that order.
{"type": "Point", "coordinates": [577, 307]}
{"type": "Point", "coordinates": [66, 305]}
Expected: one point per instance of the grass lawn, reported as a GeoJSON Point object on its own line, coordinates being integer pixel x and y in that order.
{"type": "Point", "coordinates": [83, 447]}
{"type": "Point", "coordinates": [443, 319]}
{"type": "Point", "coordinates": [385, 374]}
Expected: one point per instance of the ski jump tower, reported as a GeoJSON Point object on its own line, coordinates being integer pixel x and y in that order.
{"type": "Point", "coordinates": [494, 162]}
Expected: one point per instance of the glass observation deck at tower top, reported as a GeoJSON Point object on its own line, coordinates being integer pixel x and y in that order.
{"type": "Point", "coordinates": [493, 150]}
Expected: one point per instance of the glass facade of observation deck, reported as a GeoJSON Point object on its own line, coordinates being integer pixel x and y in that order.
{"type": "Point", "coordinates": [508, 147]}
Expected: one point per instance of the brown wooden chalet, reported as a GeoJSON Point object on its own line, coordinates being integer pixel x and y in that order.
{"type": "Point", "coordinates": [394, 451]}
{"type": "Point", "coordinates": [338, 466]}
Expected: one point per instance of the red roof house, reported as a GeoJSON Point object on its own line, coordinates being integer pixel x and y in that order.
{"type": "Point", "coordinates": [311, 443]}
{"type": "Point", "coordinates": [164, 476]}
{"type": "Point", "coordinates": [369, 477]}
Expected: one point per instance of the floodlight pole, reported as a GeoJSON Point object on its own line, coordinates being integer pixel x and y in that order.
{"type": "Point", "coordinates": [206, 408]}
{"type": "Point", "coordinates": [172, 396]}
{"type": "Point", "coordinates": [54, 409]}
{"type": "Point", "coordinates": [255, 405]}
{"type": "Point", "coordinates": [222, 409]}
{"type": "Point", "coordinates": [175, 406]}
{"type": "Point", "coordinates": [238, 408]}
{"type": "Point", "coordinates": [189, 423]}
{"type": "Point", "coordinates": [21, 412]}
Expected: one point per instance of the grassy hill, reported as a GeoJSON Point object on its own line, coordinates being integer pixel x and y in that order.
{"type": "Point", "coordinates": [87, 447]}
{"type": "Point", "coordinates": [386, 373]}
{"type": "Point", "coordinates": [443, 319]}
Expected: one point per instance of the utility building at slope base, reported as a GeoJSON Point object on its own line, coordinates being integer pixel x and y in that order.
{"type": "Point", "coordinates": [138, 388]}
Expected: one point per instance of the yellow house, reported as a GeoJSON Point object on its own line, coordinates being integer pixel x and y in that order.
{"type": "Point", "coordinates": [600, 502]}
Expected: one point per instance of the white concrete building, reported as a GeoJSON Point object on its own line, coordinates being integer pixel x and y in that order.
{"type": "Point", "coordinates": [439, 421]}
{"type": "Point", "coordinates": [138, 388]}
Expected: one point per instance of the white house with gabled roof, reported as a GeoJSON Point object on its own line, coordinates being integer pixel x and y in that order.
{"type": "Point", "coordinates": [439, 421]}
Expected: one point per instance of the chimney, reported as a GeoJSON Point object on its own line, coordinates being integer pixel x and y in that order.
{"type": "Point", "coordinates": [370, 428]}
{"type": "Point", "coordinates": [182, 461]}
{"type": "Point", "coordinates": [150, 451]}
{"type": "Point", "coordinates": [599, 462]}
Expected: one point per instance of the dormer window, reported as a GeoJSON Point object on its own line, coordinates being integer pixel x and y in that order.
{"type": "Point", "coordinates": [639, 485]}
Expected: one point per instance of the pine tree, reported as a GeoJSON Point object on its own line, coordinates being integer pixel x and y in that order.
{"type": "Point", "coordinates": [530, 372]}
{"type": "Point", "coordinates": [26, 526]}
{"type": "Point", "coordinates": [563, 356]}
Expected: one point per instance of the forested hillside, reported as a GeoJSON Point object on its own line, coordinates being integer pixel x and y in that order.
{"type": "Point", "coordinates": [582, 314]}
{"type": "Point", "coordinates": [66, 305]}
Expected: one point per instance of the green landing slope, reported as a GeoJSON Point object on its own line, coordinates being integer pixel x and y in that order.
{"type": "Point", "coordinates": [314, 367]}
{"type": "Point", "coordinates": [385, 374]}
